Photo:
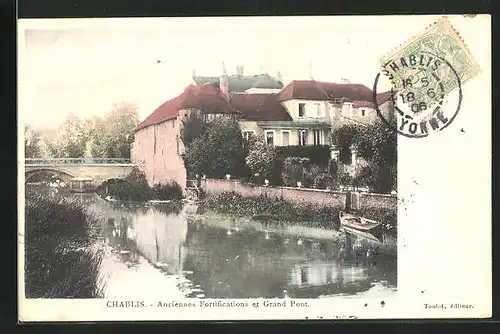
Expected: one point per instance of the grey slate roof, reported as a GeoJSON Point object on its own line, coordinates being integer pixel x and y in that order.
{"type": "Point", "coordinates": [239, 84]}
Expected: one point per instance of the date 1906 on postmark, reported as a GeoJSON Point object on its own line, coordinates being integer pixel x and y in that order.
{"type": "Point", "coordinates": [425, 78]}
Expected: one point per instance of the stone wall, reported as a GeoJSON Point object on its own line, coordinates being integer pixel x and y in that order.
{"type": "Point", "coordinates": [312, 196]}
{"type": "Point", "coordinates": [377, 200]}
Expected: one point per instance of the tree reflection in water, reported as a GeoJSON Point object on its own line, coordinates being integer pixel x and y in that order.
{"type": "Point", "coordinates": [234, 259]}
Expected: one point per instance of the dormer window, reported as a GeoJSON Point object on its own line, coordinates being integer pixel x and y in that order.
{"type": "Point", "coordinates": [302, 109]}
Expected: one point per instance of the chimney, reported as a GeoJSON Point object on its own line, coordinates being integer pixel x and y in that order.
{"type": "Point", "coordinates": [224, 83]}
{"type": "Point", "coordinates": [345, 81]}
{"type": "Point", "coordinates": [239, 70]}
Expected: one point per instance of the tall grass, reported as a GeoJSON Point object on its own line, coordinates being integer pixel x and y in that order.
{"type": "Point", "coordinates": [312, 215]}
{"type": "Point", "coordinates": [303, 213]}
{"type": "Point", "coordinates": [60, 261]}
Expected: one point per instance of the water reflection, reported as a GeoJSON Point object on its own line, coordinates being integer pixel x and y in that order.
{"type": "Point", "coordinates": [219, 257]}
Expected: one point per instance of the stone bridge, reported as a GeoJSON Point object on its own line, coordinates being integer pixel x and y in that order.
{"type": "Point", "coordinates": [97, 169]}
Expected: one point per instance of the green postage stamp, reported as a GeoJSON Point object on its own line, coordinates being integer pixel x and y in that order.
{"type": "Point", "coordinates": [439, 41]}
{"type": "Point", "coordinates": [426, 75]}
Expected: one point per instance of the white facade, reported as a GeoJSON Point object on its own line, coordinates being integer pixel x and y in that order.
{"type": "Point", "coordinates": [301, 109]}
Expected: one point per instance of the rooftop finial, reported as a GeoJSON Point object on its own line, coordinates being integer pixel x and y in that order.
{"type": "Point", "coordinates": [224, 69]}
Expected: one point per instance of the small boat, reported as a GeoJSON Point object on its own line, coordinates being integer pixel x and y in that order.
{"type": "Point", "coordinates": [357, 222]}
{"type": "Point", "coordinates": [110, 199]}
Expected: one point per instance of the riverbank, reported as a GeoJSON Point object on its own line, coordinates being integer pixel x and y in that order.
{"type": "Point", "coordinates": [60, 260]}
{"type": "Point", "coordinates": [281, 211]}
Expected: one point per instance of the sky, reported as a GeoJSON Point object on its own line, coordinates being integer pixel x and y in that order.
{"type": "Point", "coordinates": [83, 66]}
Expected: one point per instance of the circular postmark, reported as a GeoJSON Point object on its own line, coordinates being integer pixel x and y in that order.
{"type": "Point", "coordinates": [425, 91]}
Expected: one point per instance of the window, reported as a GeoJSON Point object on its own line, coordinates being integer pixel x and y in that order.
{"type": "Point", "coordinates": [247, 134]}
{"type": "Point", "coordinates": [317, 137]}
{"type": "Point", "coordinates": [270, 137]}
{"type": "Point", "coordinates": [302, 109]}
{"type": "Point", "coordinates": [318, 109]}
{"type": "Point", "coordinates": [302, 137]}
{"type": "Point", "coordinates": [362, 112]}
{"type": "Point", "coordinates": [285, 138]}
{"type": "Point", "coordinates": [209, 117]}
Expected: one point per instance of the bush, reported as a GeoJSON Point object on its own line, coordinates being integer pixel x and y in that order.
{"type": "Point", "coordinates": [345, 179]}
{"type": "Point", "coordinates": [134, 187]}
{"type": "Point", "coordinates": [293, 171]}
{"type": "Point", "coordinates": [168, 191]}
{"type": "Point", "coordinates": [58, 260]}
{"type": "Point", "coordinates": [317, 155]}
{"type": "Point", "coordinates": [311, 172]}
{"type": "Point", "coordinates": [297, 169]}
{"type": "Point", "coordinates": [323, 181]}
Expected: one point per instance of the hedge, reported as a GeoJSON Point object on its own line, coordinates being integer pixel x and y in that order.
{"type": "Point", "coordinates": [318, 155]}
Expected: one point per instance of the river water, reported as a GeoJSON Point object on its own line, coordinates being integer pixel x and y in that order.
{"type": "Point", "coordinates": [171, 251]}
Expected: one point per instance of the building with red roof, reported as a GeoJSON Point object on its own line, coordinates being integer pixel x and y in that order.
{"type": "Point", "coordinates": [304, 112]}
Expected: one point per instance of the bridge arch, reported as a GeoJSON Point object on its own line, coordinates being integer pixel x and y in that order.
{"type": "Point", "coordinates": [64, 176]}
{"type": "Point", "coordinates": [111, 180]}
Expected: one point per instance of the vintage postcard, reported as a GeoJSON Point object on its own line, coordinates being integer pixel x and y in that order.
{"type": "Point", "coordinates": [258, 168]}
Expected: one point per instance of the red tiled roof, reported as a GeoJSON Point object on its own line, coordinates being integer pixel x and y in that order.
{"type": "Point", "coordinates": [316, 90]}
{"type": "Point", "coordinates": [260, 107]}
{"type": "Point", "coordinates": [383, 97]}
{"type": "Point", "coordinates": [362, 104]}
{"type": "Point", "coordinates": [207, 98]}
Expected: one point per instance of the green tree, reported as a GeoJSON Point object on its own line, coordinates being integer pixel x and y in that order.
{"type": "Point", "coordinates": [377, 144]}
{"type": "Point", "coordinates": [345, 136]}
{"type": "Point", "coordinates": [117, 131]}
{"type": "Point", "coordinates": [31, 143]}
{"type": "Point", "coordinates": [193, 127]}
{"type": "Point", "coordinates": [70, 141]}
{"type": "Point", "coordinates": [95, 137]}
{"type": "Point", "coordinates": [260, 158]}
{"type": "Point", "coordinates": [220, 150]}
{"type": "Point", "coordinates": [47, 149]}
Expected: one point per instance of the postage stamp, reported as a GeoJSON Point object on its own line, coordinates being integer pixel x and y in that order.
{"type": "Point", "coordinates": [431, 66]}
{"type": "Point", "coordinates": [178, 169]}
